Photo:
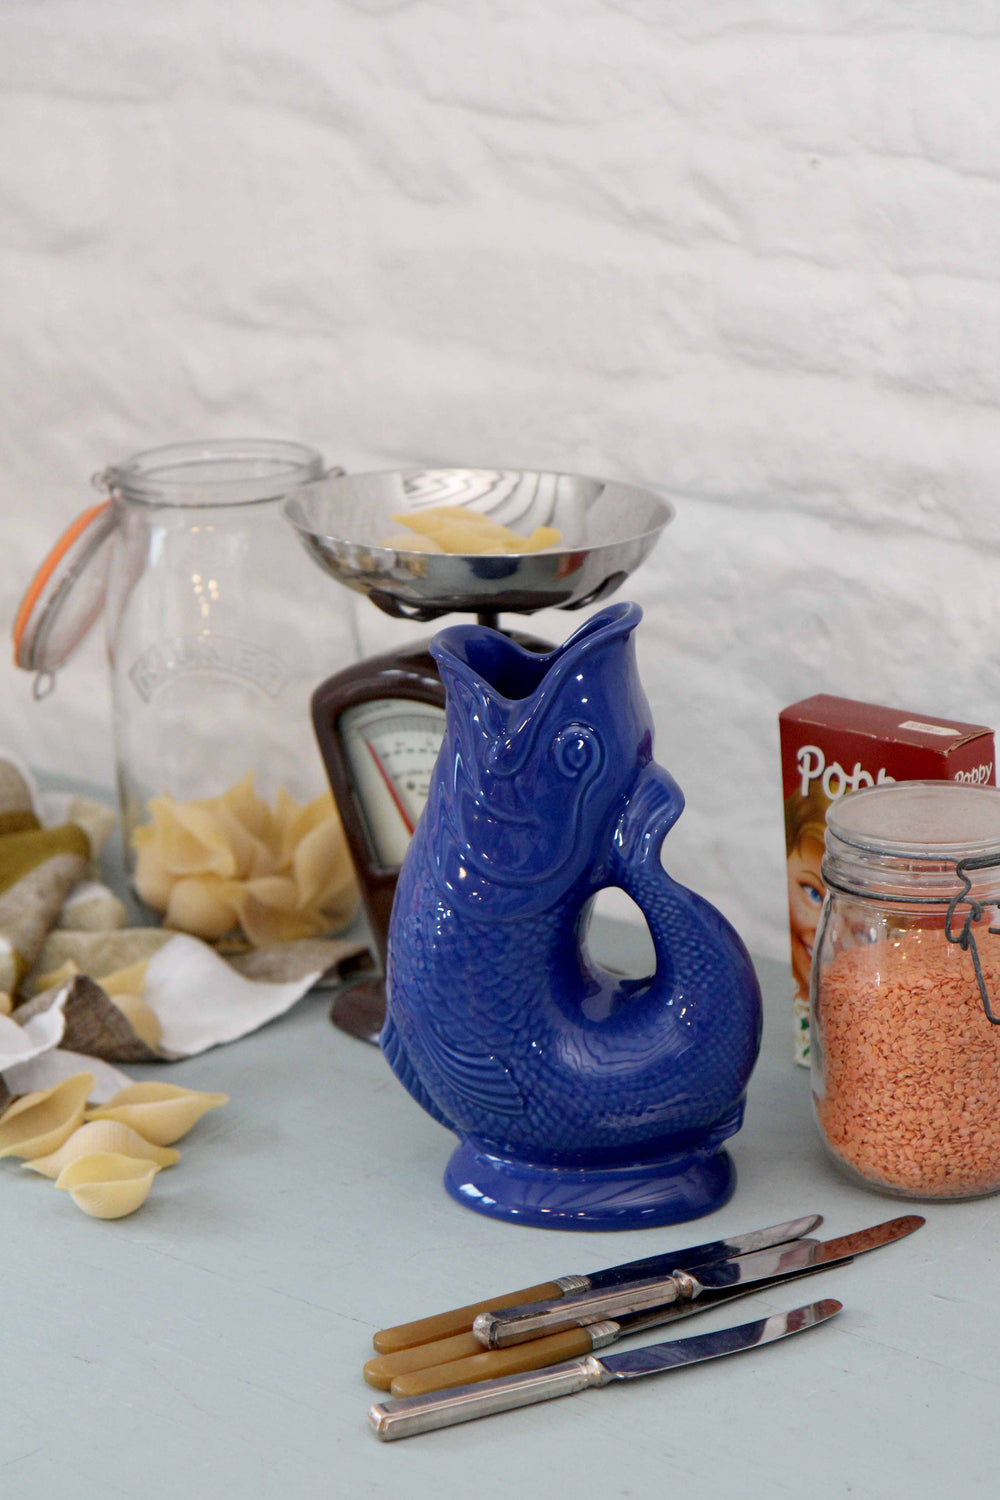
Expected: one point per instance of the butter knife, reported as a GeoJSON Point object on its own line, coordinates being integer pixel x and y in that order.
{"type": "Point", "coordinates": [407, 1372]}
{"type": "Point", "coordinates": [399, 1419]}
{"type": "Point", "coordinates": [459, 1320]}
{"type": "Point", "coordinates": [513, 1325]}
{"type": "Point", "coordinates": [468, 1363]}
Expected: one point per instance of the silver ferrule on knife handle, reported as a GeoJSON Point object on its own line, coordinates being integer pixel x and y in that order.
{"type": "Point", "coordinates": [515, 1325]}
{"type": "Point", "coordinates": [570, 1284]}
{"type": "Point", "coordinates": [399, 1419]}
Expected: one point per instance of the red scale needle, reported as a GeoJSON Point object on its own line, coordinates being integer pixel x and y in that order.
{"type": "Point", "coordinates": [389, 786]}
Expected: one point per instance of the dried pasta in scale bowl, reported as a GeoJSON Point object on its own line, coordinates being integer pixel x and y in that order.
{"type": "Point", "coordinates": [457, 529]}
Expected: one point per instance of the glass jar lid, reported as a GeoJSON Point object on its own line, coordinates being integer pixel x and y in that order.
{"type": "Point", "coordinates": [919, 819]}
{"type": "Point", "coordinates": [903, 840]}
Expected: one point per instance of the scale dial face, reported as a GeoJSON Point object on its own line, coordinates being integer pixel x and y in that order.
{"type": "Point", "coordinates": [390, 746]}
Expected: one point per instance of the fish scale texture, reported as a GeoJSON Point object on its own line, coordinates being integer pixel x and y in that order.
{"type": "Point", "coordinates": [503, 1032]}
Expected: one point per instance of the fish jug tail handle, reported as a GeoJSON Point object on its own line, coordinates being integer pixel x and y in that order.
{"type": "Point", "coordinates": [654, 805]}
{"type": "Point", "coordinates": [680, 922]}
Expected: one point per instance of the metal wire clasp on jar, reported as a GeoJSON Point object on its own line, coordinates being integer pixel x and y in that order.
{"type": "Point", "coordinates": [905, 989]}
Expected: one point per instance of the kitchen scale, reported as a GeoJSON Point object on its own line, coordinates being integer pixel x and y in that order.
{"type": "Point", "coordinates": [380, 723]}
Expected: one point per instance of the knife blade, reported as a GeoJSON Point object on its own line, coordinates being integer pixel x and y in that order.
{"type": "Point", "coordinates": [460, 1319]}
{"type": "Point", "coordinates": [399, 1419]}
{"type": "Point", "coordinates": [511, 1325]}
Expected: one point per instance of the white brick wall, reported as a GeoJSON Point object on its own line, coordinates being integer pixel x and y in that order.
{"type": "Point", "coordinates": [747, 252]}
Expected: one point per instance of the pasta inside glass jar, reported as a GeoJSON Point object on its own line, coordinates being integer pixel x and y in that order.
{"type": "Point", "coordinates": [905, 990]}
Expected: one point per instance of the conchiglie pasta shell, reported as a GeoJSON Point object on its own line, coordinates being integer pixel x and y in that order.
{"type": "Point", "coordinates": [161, 1112]}
{"type": "Point", "coordinates": [101, 1138]}
{"type": "Point", "coordinates": [152, 879]}
{"type": "Point", "coordinates": [38, 1123]}
{"type": "Point", "coordinates": [243, 803]}
{"type": "Point", "coordinates": [200, 905]}
{"type": "Point", "coordinates": [268, 913]}
{"type": "Point", "coordinates": [253, 855]}
{"type": "Point", "coordinates": [190, 839]}
{"type": "Point", "coordinates": [320, 857]}
{"type": "Point", "coordinates": [296, 820]}
{"type": "Point", "coordinates": [107, 1185]}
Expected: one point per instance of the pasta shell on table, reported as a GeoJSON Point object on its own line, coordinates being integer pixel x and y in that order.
{"type": "Point", "coordinates": [108, 1185]}
{"type": "Point", "coordinates": [39, 1123]}
{"type": "Point", "coordinates": [161, 1112]}
{"type": "Point", "coordinates": [101, 1138]}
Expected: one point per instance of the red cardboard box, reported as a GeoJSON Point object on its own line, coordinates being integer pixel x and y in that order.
{"type": "Point", "coordinates": [831, 747]}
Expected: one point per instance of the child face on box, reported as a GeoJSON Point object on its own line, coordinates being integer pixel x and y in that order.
{"type": "Point", "coordinates": [805, 898]}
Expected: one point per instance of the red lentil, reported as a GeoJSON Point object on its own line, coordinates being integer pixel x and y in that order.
{"type": "Point", "coordinates": [907, 1088]}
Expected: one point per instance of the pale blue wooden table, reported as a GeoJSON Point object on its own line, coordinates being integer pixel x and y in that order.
{"type": "Point", "coordinates": [211, 1345]}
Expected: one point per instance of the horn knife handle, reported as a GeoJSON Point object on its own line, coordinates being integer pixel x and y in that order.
{"type": "Point", "coordinates": [383, 1369]}
{"type": "Point", "coordinates": [458, 1320]}
{"type": "Point", "coordinates": [492, 1364]}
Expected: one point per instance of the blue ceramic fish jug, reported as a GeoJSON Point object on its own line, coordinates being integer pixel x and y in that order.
{"type": "Point", "coordinates": [581, 1100]}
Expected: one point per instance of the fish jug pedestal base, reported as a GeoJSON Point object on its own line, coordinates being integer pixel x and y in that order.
{"type": "Point", "coordinates": [640, 1195]}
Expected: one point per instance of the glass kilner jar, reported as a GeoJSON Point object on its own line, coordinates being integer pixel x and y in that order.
{"type": "Point", "coordinates": [218, 629]}
{"type": "Point", "coordinates": [905, 989]}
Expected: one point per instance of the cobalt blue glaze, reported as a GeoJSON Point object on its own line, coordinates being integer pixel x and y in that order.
{"type": "Point", "coordinates": [582, 1100]}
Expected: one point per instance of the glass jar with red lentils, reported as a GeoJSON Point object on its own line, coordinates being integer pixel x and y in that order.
{"type": "Point", "coordinates": [905, 989]}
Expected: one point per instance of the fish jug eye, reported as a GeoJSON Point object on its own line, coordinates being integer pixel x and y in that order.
{"type": "Point", "coordinates": [575, 749]}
